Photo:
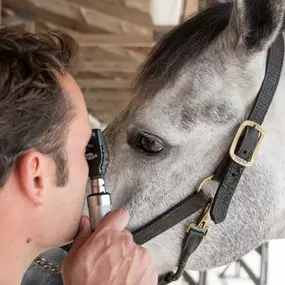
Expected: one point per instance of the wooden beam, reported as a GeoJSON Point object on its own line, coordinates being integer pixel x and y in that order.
{"type": "Point", "coordinates": [142, 5]}
{"type": "Point", "coordinates": [106, 105]}
{"type": "Point", "coordinates": [126, 53]}
{"type": "Point", "coordinates": [103, 110]}
{"type": "Point", "coordinates": [113, 41]}
{"type": "Point", "coordinates": [116, 18]}
{"type": "Point", "coordinates": [34, 6]}
{"type": "Point", "coordinates": [12, 21]}
{"type": "Point", "coordinates": [108, 96]}
{"type": "Point", "coordinates": [160, 31]}
{"type": "Point", "coordinates": [103, 83]}
{"type": "Point", "coordinates": [190, 8]}
{"type": "Point", "coordinates": [7, 12]}
{"type": "Point", "coordinates": [128, 20]}
{"type": "Point", "coordinates": [97, 19]}
{"type": "Point", "coordinates": [104, 116]}
{"type": "Point", "coordinates": [119, 76]}
{"type": "Point", "coordinates": [103, 40]}
{"type": "Point", "coordinates": [144, 50]}
{"type": "Point", "coordinates": [59, 12]}
{"type": "Point", "coordinates": [203, 4]}
{"type": "Point", "coordinates": [99, 54]}
{"type": "Point", "coordinates": [30, 26]}
{"type": "Point", "coordinates": [110, 66]}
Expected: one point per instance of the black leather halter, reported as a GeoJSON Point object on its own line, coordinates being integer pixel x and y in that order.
{"type": "Point", "coordinates": [241, 154]}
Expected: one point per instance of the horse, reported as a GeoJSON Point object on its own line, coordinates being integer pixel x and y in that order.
{"type": "Point", "coordinates": [190, 96]}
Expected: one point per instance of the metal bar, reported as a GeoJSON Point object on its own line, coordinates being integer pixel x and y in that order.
{"type": "Point", "coordinates": [262, 280]}
{"type": "Point", "coordinates": [264, 264]}
{"type": "Point", "coordinates": [222, 275]}
{"type": "Point", "coordinates": [249, 272]}
{"type": "Point", "coordinates": [188, 278]}
{"type": "Point", "coordinates": [258, 250]}
{"type": "Point", "coordinates": [203, 278]}
{"type": "Point", "coordinates": [237, 269]}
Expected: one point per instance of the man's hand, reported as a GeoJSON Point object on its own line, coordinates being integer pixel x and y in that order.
{"type": "Point", "coordinates": [108, 256]}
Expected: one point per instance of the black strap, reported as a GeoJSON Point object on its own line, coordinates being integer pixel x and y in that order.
{"type": "Point", "coordinates": [229, 172]}
{"type": "Point", "coordinates": [168, 219]}
{"type": "Point", "coordinates": [171, 217]}
{"type": "Point", "coordinates": [190, 244]}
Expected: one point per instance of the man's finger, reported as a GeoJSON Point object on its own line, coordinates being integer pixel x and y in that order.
{"type": "Point", "coordinates": [117, 220]}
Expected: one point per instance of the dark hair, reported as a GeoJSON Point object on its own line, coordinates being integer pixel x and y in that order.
{"type": "Point", "coordinates": [35, 113]}
{"type": "Point", "coordinates": [177, 47]}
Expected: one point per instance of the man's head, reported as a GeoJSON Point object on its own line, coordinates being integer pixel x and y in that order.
{"type": "Point", "coordinates": [44, 129]}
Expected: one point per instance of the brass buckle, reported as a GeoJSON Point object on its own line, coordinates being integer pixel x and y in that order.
{"type": "Point", "coordinates": [238, 159]}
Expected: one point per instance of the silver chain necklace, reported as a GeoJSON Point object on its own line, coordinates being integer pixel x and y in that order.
{"type": "Point", "coordinates": [47, 265]}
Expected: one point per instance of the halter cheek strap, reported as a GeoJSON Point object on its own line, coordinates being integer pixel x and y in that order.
{"type": "Point", "coordinates": [171, 217]}
{"type": "Point", "coordinates": [247, 141]}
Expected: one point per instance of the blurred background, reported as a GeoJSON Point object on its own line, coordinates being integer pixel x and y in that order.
{"type": "Point", "coordinates": [115, 37]}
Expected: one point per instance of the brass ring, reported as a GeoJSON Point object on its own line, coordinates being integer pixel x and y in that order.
{"type": "Point", "coordinates": [208, 178]}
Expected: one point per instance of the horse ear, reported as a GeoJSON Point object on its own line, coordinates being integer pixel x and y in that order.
{"type": "Point", "coordinates": [256, 23]}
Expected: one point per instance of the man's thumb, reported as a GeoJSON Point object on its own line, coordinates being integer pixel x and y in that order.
{"type": "Point", "coordinates": [83, 233]}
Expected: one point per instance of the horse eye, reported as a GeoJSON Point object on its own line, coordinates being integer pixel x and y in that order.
{"type": "Point", "coordinates": [150, 145]}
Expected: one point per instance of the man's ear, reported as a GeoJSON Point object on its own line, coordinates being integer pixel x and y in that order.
{"type": "Point", "coordinates": [33, 180]}
{"type": "Point", "coordinates": [255, 24]}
